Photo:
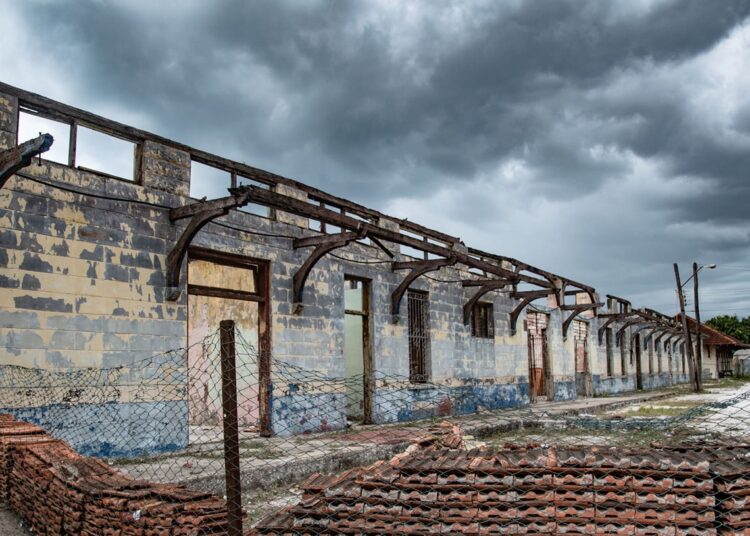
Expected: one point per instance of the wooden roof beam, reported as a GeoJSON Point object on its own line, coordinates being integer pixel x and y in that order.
{"type": "Point", "coordinates": [19, 157]}
{"type": "Point", "coordinates": [417, 269]}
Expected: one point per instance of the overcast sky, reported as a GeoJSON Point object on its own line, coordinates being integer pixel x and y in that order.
{"type": "Point", "coordinates": [599, 140]}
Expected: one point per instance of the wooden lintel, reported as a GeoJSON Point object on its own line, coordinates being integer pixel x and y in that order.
{"type": "Point", "coordinates": [489, 286]}
{"type": "Point", "coordinates": [418, 268]}
{"type": "Point", "coordinates": [177, 254]}
{"type": "Point", "coordinates": [575, 311]}
{"type": "Point", "coordinates": [19, 157]}
{"type": "Point", "coordinates": [527, 297]}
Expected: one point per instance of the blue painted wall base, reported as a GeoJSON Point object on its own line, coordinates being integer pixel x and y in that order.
{"type": "Point", "coordinates": [407, 404]}
{"type": "Point", "coordinates": [113, 430]}
{"type": "Point", "coordinates": [564, 390]}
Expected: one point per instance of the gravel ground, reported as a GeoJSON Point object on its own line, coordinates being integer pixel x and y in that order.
{"type": "Point", "coordinates": [10, 525]}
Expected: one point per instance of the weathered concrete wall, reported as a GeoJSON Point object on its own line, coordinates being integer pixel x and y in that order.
{"type": "Point", "coordinates": [84, 286]}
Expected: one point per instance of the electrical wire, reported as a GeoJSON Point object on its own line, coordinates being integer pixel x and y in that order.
{"type": "Point", "coordinates": [90, 194]}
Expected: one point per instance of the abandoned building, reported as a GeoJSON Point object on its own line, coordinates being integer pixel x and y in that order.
{"type": "Point", "coordinates": [107, 259]}
{"type": "Point", "coordinates": [717, 350]}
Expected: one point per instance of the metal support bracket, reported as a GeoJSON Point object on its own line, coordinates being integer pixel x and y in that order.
{"type": "Point", "coordinates": [19, 157]}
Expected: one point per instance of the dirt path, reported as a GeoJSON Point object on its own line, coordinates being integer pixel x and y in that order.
{"type": "Point", "coordinates": [10, 524]}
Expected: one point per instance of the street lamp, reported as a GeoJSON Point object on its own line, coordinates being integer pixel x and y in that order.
{"type": "Point", "coordinates": [696, 364]}
{"type": "Point", "coordinates": [698, 342]}
{"type": "Point", "coordinates": [695, 272]}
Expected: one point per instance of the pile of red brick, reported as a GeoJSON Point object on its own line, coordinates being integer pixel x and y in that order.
{"type": "Point", "coordinates": [59, 492]}
{"type": "Point", "coordinates": [437, 488]}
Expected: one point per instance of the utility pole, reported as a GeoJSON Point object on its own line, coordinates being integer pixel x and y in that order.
{"type": "Point", "coordinates": [698, 343]}
{"type": "Point", "coordinates": [686, 332]}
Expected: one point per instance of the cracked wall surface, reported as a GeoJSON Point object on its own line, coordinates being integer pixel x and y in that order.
{"type": "Point", "coordinates": [83, 280]}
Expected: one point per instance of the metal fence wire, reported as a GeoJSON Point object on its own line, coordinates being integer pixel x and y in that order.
{"type": "Point", "coordinates": [664, 462]}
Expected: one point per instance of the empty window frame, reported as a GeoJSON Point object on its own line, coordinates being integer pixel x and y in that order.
{"type": "Point", "coordinates": [81, 146]}
{"type": "Point", "coordinates": [208, 182]}
{"type": "Point", "coordinates": [483, 321]}
{"type": "Point", "coordinates": [252, 208]}
{"type": "Point", "coordinates": [31, 124]}
{"type": "Point", "coordinates": [224, 275]}
{"type": "Point", "coordinates": [610, 352]}
{"type": "Point", "coordinates": [103, 153]}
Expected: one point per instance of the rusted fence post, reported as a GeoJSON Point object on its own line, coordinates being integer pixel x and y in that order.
{"type": "Point", "coordinates": [231, 428]}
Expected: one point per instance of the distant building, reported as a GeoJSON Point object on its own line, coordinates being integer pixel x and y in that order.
{"type": "Point", "coordinates": [718, 350]}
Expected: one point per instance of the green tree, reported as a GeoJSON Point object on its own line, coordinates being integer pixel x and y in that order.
{"type": "Point", "coordinates": [739, 328]}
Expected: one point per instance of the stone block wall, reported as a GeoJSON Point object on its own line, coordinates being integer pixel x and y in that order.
{"type": "Point", "coordinates": [84, 286]}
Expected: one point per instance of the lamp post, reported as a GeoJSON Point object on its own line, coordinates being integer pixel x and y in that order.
{"type": "Point", "coordinates": [698, 342]}
{"type": "Point", "coordinates": [695, 364]}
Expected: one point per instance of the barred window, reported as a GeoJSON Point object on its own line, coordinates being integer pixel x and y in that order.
{"type": "Point", "coordinates": [483, 321]}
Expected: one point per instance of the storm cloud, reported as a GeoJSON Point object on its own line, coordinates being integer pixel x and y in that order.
{"type": "Point", "coordinates": [599, 140]}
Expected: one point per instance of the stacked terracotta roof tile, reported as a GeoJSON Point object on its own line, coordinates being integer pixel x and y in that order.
{"type": "Point", "coordinates": [59, 492]}
{"type": "Point", "coordinates": [436, 489]}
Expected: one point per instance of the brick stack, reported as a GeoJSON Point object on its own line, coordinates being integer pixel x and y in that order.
{"type": "Point", "coordinates": [530, 490]}
{"type": "Point", "coordinates": [59, 492]}
{"type": "Point", "coordinates": [153, 510]}
{"type": "Point", "coordinates": [14, 433]}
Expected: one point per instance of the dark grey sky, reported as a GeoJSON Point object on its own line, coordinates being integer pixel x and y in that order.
{"type": "Point", "coordinates": [602, 140]}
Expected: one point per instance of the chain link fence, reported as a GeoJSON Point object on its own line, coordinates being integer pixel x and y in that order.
{"type": "Point", "coordinates": [298, 458]}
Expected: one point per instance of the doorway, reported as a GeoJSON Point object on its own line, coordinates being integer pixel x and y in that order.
{"type": "Point", "coordinates": [419, 336]}
{"type": "Point", "coordinates": [584, 385]}
{"type": "Point", "coordinates": [638, 352]}
{"type": "Point", "coordinates": [357, 355]}
{"type": "Point", "coordinates": [536, 327]}
{"type": "Point", "coordinates": [223, 286]}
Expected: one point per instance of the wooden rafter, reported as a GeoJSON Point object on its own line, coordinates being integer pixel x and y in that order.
{"type": "Point", "coordinates": [204, 211]}
{"type": "Point", "coordinates": [177, 254]}
{"type": "Point", "coordinates": [291, 205]}
{"type": "Point", "coordinates": [417, 269]}
{"type": "Point", "coordinates": [323, 245]}
{"type": "Point", "coordinates": [526, 298]}
{"type": "Point", "coordinates": [485, 286]}
{"type": "Point", "coordinates": [609, 319]}
{"type": "Point", "coordinates": [520, 266]}
{"type": "Point", "coordinates": [576, 310]}
{"type": "Point", "coordinates": [19, 157]}
{"type": "Point", "coordinates": [626, 325]}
